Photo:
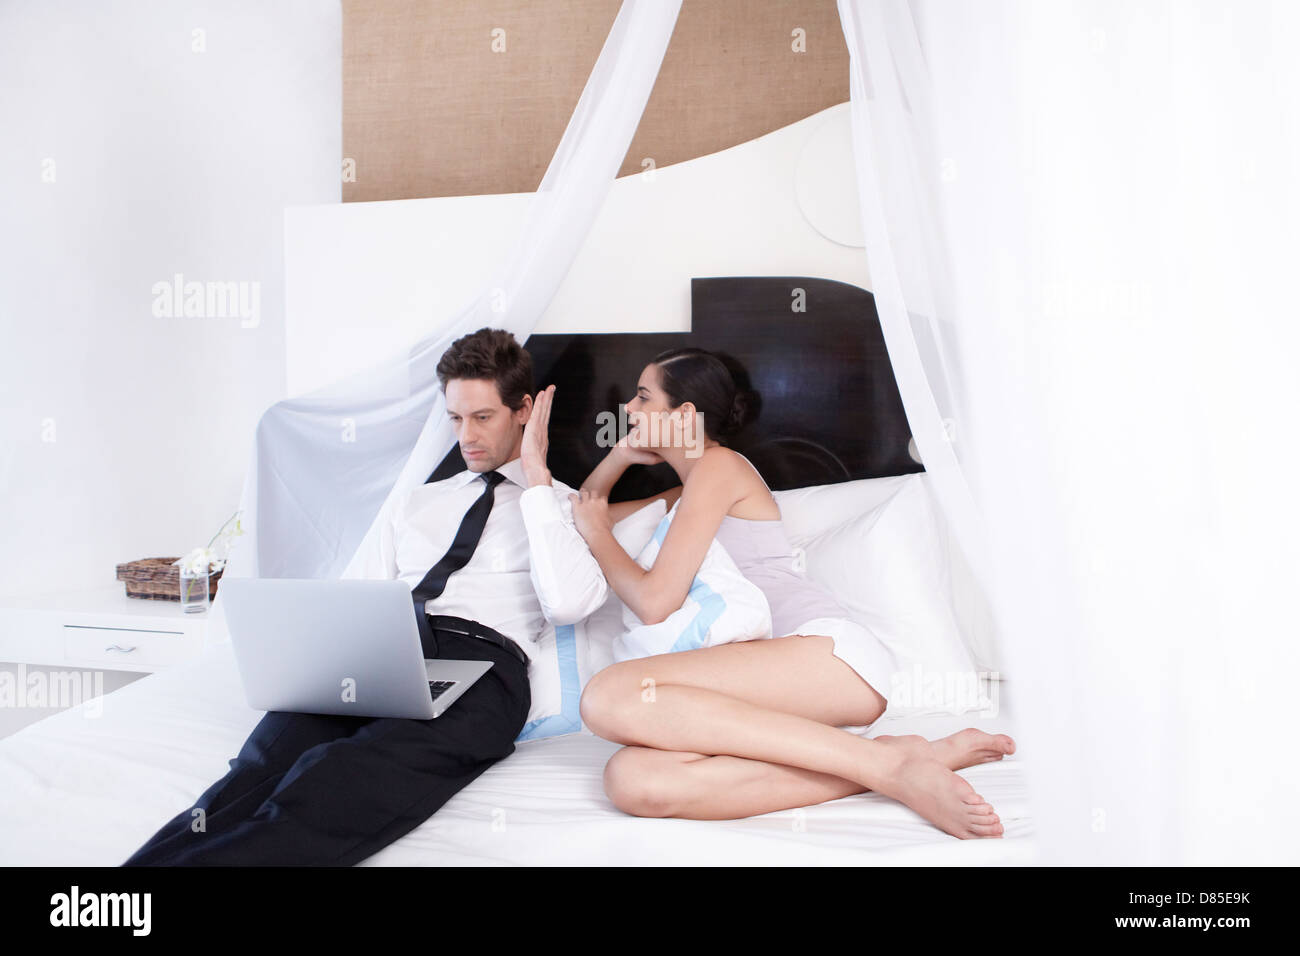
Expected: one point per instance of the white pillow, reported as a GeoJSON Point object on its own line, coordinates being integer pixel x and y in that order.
{"type": "Point", "coordinates": [888, 565]}
{"type": "Point", "coordinates": [554, 682]}
{"type": "Point", "coordinates": [808, 512]}
{"type": "Point", "coordinates": [605, 624]}
{"type": "Point", "coordinates": [565, 659]}
{"type": "Point", "coordinates": [722, 607]}
{"type": "Point", "coordinates": [634, 532]}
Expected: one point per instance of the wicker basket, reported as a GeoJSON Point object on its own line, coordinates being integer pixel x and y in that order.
{"type": "Point", "coordinates": [158, 578]}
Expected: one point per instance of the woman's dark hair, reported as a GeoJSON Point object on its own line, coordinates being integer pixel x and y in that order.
{"type": "Point", "coordinates": [715, 383]}
{"type": "Point", "coordinates": [491, 354]}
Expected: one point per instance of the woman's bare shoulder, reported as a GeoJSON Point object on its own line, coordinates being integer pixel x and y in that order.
{"type": "Point", "coordinates": [728, 474]}
{"type": "Point", "coordinates": [719, 463]}
{"type": "Point", "coordinates": [735, 482]}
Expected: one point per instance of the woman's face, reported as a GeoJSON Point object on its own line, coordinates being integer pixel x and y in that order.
{"type": "Point", "coordinates": [653, 423]}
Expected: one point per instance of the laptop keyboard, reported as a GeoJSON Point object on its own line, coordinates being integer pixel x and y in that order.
{"type": "Point", "coordinates": [439, 687]}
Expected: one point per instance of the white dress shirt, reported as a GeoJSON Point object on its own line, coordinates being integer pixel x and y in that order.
{"type": "Point", "coordinates": [530, 566]}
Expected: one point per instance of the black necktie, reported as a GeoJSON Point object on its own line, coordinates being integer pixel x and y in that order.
{"type": "Point", "coordinates": [457, 556]}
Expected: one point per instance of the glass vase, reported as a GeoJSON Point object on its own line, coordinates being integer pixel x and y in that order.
{"type": "Point", "coordinates": [194, 592]}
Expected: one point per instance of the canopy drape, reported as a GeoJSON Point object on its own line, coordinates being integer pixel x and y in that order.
{"type": "Point", "coordinates": [326, 466]}
{"type": "Point", "coordinates": [1080, 217]}
{"type": "Point", "coordinates": [1077, 218]}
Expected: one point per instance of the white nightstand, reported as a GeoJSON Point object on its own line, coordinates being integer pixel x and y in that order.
{"type": "Point", "coordinates": [100, 628]}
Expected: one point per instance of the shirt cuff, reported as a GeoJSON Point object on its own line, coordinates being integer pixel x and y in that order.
{"type": "Point", "coordinates": [540, 504]}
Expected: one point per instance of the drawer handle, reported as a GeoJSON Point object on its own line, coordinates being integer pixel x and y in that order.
{"type": "Point", "coordinates": [118, 647]}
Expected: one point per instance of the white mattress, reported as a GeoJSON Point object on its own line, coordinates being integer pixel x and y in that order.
{"type": "Point", "coordinates": [86, 790]}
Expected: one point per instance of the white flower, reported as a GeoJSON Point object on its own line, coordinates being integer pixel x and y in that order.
{"type": "Point", "coordinates": [214, 556]}
{"type": "Point", "coordinates": [196, 562]}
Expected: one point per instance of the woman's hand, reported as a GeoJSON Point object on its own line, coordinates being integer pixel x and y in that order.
{"type": "Point", "coordinates": [532, 453]}
{"type": "Point", "coordinates": [591, 514]}
{"type": "Point", "coordinates": [628, 450]}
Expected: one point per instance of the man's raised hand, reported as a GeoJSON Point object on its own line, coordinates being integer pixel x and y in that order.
{"type": "Point", "coordinates": [532, 455]}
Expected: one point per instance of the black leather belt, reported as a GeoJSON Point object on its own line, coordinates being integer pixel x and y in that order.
{"type": "Point", "coordinates": [459, 625]}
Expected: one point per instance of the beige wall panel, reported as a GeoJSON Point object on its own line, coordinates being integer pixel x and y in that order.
{"type": "Point", "coordinates": [430, 110]}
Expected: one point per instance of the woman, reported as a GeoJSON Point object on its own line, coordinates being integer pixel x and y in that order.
{"type": "Point", "coordinates": [752, 727]}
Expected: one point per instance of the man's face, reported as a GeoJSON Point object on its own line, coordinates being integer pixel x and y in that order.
{"type": "Point", "coordinates": [488, 432]}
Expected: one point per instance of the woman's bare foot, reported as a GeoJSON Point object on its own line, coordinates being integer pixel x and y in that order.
{"type": "Point", "coordinates": [966, 748]}
{"type": "Point", "coordinates": [948, 801]}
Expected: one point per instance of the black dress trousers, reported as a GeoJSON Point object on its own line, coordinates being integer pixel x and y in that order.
{"type": "Point", "coordinates": [327, 790]}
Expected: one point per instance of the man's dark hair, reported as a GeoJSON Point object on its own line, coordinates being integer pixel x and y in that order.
{"type": "Point", "coordinates": [491, 354]}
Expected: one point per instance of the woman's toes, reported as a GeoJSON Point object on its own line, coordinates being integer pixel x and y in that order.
{"type": "Point", "coordinates": [987, 830]}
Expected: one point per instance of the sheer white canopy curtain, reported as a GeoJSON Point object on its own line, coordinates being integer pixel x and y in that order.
{"type": "Point", "coordinates": [1080, 217]}
{"type": "Point", "coordinates": [1080, 220]}
{"type": "Point", "coordinates": [325, 467]}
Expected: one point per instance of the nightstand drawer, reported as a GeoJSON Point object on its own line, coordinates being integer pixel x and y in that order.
{"type": "Point", "coordinates": [127, 647]}
{"type": "Point", "coordinates": [99, 628]}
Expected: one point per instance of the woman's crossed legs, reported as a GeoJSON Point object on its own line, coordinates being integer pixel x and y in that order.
{"type": "Point", "coordinates": [742, 729]}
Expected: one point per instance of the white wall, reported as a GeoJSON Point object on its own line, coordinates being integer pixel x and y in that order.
{"type": "Point", "coordinates": [123, 434]}
{"type": "Point", "coordinates": [364, 280]}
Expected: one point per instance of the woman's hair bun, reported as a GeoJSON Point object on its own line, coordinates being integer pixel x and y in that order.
{"type": "Point", "coordinates": [739, 415]}
{"type": "Point", "coordinates": [743, 411]}
{"type": "Point", "coordinates": [716, 383]}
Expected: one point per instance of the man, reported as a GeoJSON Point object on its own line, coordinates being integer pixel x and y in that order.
{"type": "Point", "coordinates": [315, 789]}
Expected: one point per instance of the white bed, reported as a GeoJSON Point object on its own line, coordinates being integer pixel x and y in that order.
{"type": "Point", "coordinates": [84, 790]}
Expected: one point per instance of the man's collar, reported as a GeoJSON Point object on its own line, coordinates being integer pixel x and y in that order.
{"type": "Point", "coordinates": [512, 470]}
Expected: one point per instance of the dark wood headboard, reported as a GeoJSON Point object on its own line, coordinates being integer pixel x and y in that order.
{"type": "Point", "coordinates": [830, 411]}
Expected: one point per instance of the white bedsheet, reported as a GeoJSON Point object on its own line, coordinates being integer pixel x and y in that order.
{"type": "Point", "coordinates": [77, 789]}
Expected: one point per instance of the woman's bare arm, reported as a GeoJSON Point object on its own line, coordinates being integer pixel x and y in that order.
{"type": "Point", "coordinates": [622, 509]}
{"type": "Point", "coordinates": [653, 595]}
{"type": "Point", "coordinates": [603, 478]}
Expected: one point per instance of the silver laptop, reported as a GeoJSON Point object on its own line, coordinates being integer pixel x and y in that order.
{"type": "Point", "coordinates": [337, 647]}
